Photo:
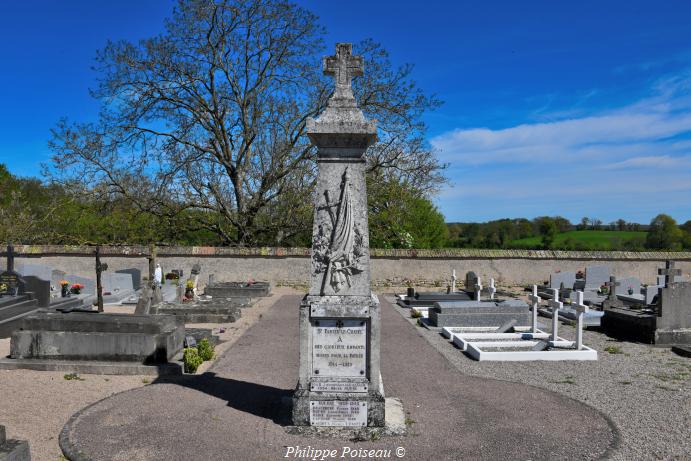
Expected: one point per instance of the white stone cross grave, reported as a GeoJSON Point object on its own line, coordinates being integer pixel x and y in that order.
{"type": "Point", "coordinates": [478, 289]}
{"type": "Point", "coordinates": [556, 306]}
{"type": "Point", "coordinates": [581, 309]}
{"type": "Point", "coordinates": [534, 303]}
{"type": "Point", "coordinates": [492, 289]}
{"type": "Point", "coordinates": [453, 281]}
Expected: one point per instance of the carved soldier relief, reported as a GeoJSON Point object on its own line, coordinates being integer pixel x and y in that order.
{"type": "Point", "coordinates": [338, 245]}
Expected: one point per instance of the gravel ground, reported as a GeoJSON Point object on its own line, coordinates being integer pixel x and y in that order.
{"type": "Point", "coordinates": [35, 405]}
{"type": "Point", "coordinates": [644, 390]}
{"type": "Point", "coordinates": [234, 411]}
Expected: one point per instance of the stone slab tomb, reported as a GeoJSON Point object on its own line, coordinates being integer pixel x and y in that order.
{"type": "Point", "coordinates": [98, 337]}
{"type": "Point", "coordinates": [203, 311]}
{"type": "Point", "coordinates": [12, 449]}
{"type": "Point", "coordinates": [339, 382]}
{"type": "Point", "coordinates": [238, 289]}
{"type": "Point", "coordinates": [666, 323]}
{"type": "Point", "coordinates": [479, 313]}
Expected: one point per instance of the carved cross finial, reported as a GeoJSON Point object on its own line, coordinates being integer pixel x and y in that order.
{"type": "Point", "coordinates": [343, 66]}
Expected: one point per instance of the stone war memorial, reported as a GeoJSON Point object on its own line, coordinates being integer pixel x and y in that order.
{"type": "Point", "coordinates": [164, 295]}
{"type": "Point", "coordinates": [339, 379]}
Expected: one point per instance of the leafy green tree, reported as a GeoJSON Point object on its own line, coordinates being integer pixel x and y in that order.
{"type": "Point", "coordinates": [547, 229]}
{"type": "Point", "coordinates": [664, 234]}
{"type": "Point", "coordinates": [208, 121]}
{"type": "Point", "coordinates": [401, 219]}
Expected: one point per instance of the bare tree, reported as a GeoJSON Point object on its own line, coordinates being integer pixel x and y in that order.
{"type": "Point", "coordinates": [210, 117]}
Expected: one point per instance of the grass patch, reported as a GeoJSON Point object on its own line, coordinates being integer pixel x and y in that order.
{"type": "Point", "coordinates": [613, 349]}
{"type": "Point", "coordinates": [73, 377]}
{"type": "Point", "coordinates": [145, 381]}
{"type": "Point", "coordinates": [415, 314]}
{"type": "Point", "coordinates": [409, 421]}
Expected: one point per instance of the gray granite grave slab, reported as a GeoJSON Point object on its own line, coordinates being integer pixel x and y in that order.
{"type": "Point", "coordinates": [479, 313]}
{"type": "Point", "coordinates": [596, 276]}
{"type": "Point", "coordinates": [136, 276]}
{"type": "Point", "coordinates": [116, 286]}
{"type": "Point", "coordinates": [556, 279]}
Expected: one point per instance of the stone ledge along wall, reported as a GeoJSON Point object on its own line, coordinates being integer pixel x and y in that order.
{"type": "Point", "coordinates": [291, 266]}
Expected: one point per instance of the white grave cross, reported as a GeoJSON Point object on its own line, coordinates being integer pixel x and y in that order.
{"type": "Point", "coordinates": [453, 281]}
{"type": "Point", "coordinates": [478, 289]}
{"type": "Point", "coordinates": [492, 289]}
{"type": "Point", "coordinates": [534, 303]}
{"type": "Point", "coordinates": [581, 309]}
{"type": "Point", "coordinates": [556, 306]}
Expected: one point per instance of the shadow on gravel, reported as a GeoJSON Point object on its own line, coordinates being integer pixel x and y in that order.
{"type": "Point", "coordinates": [257, 399]}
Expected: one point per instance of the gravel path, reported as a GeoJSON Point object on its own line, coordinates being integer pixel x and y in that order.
{"type": "Point", "coordinates": [35, 405]}
{"type": "Point", "coordinates": [645, 391]}
{"type": "Point", "coordinates": [234, 412]}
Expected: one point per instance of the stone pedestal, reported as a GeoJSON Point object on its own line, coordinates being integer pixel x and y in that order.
{"type": "Point", "coordinates": [339, 380]}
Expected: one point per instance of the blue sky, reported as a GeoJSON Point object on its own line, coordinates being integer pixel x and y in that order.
{"type": "Point", "coordinates": [571, 108]}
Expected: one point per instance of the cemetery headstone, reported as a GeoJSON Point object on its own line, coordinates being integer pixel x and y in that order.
{"type": "Point", "coordinates": [339, 379]}
{"type": "Point", "coordinates": [556, 279]}
{"type": "Point", "coordinates": [136, 276]}
{"type": "Point", "coordinates": [596, 276]}
{"type": "Point", "coordinates": [470, 281]}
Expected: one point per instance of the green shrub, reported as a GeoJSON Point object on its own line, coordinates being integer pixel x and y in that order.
{"type": "Point", "coordinates": [191, 360]}
{"type": "Point", "coordinates": [205, 349]}
{"type": "Point", "coordinates": [416, 314]}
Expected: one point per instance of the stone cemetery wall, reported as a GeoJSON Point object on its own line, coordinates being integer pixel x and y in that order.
{"type": "Point", "coordinates": [389, 267]}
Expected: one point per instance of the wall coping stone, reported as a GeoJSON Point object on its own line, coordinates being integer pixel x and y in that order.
{"type": "Point", "coordinates": [280, 252]}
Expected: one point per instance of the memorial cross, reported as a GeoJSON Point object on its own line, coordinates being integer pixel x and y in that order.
{"type": "Point", "coordinates": [10, 258]}
{"type": "Point", "coordinates": [478, 288]}
{"type": "Point", "coordinates": [343, 66]}
{"type": "Point", "coordinates": [613, 284]}
{"type": "Point", "coordinates": [669, 272]}
{"type": "Point", "coordinates": [492, 289]}
{"type": "Point", "coordinates": [534, 303]}
{"type": "Point", "coordinates": [152, 265]}
{"type": "Point", "coordinates": [100, 267]}
{"type": "Point", "coordinates": [453, 281]}
{"type": "Point", "coordinates": [556, 306]}
{"type": "Point", "coordinates": [581, 309]}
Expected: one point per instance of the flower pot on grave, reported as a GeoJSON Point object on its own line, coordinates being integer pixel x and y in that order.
{"type": "Point", "coordinates": [65, 291]}
{"type": "Point", "coordinates": [189, 293]}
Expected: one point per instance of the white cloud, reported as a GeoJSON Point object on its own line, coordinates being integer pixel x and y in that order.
{"type": "Point", "coordinates": [624, 162]}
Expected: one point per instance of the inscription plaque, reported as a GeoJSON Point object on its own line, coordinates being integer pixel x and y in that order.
{"type": "Point", "coordinates": [338, 386]}
{"type": "Point", "coordinates": [347, 413]}
{"type": "Point", "coordinates": [339, 348]}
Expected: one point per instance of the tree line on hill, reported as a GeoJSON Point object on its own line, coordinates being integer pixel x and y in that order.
{"type": "Point", "coordinates": [558, 233]}
{"type": "Point", "coordinates": [36, 212]}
